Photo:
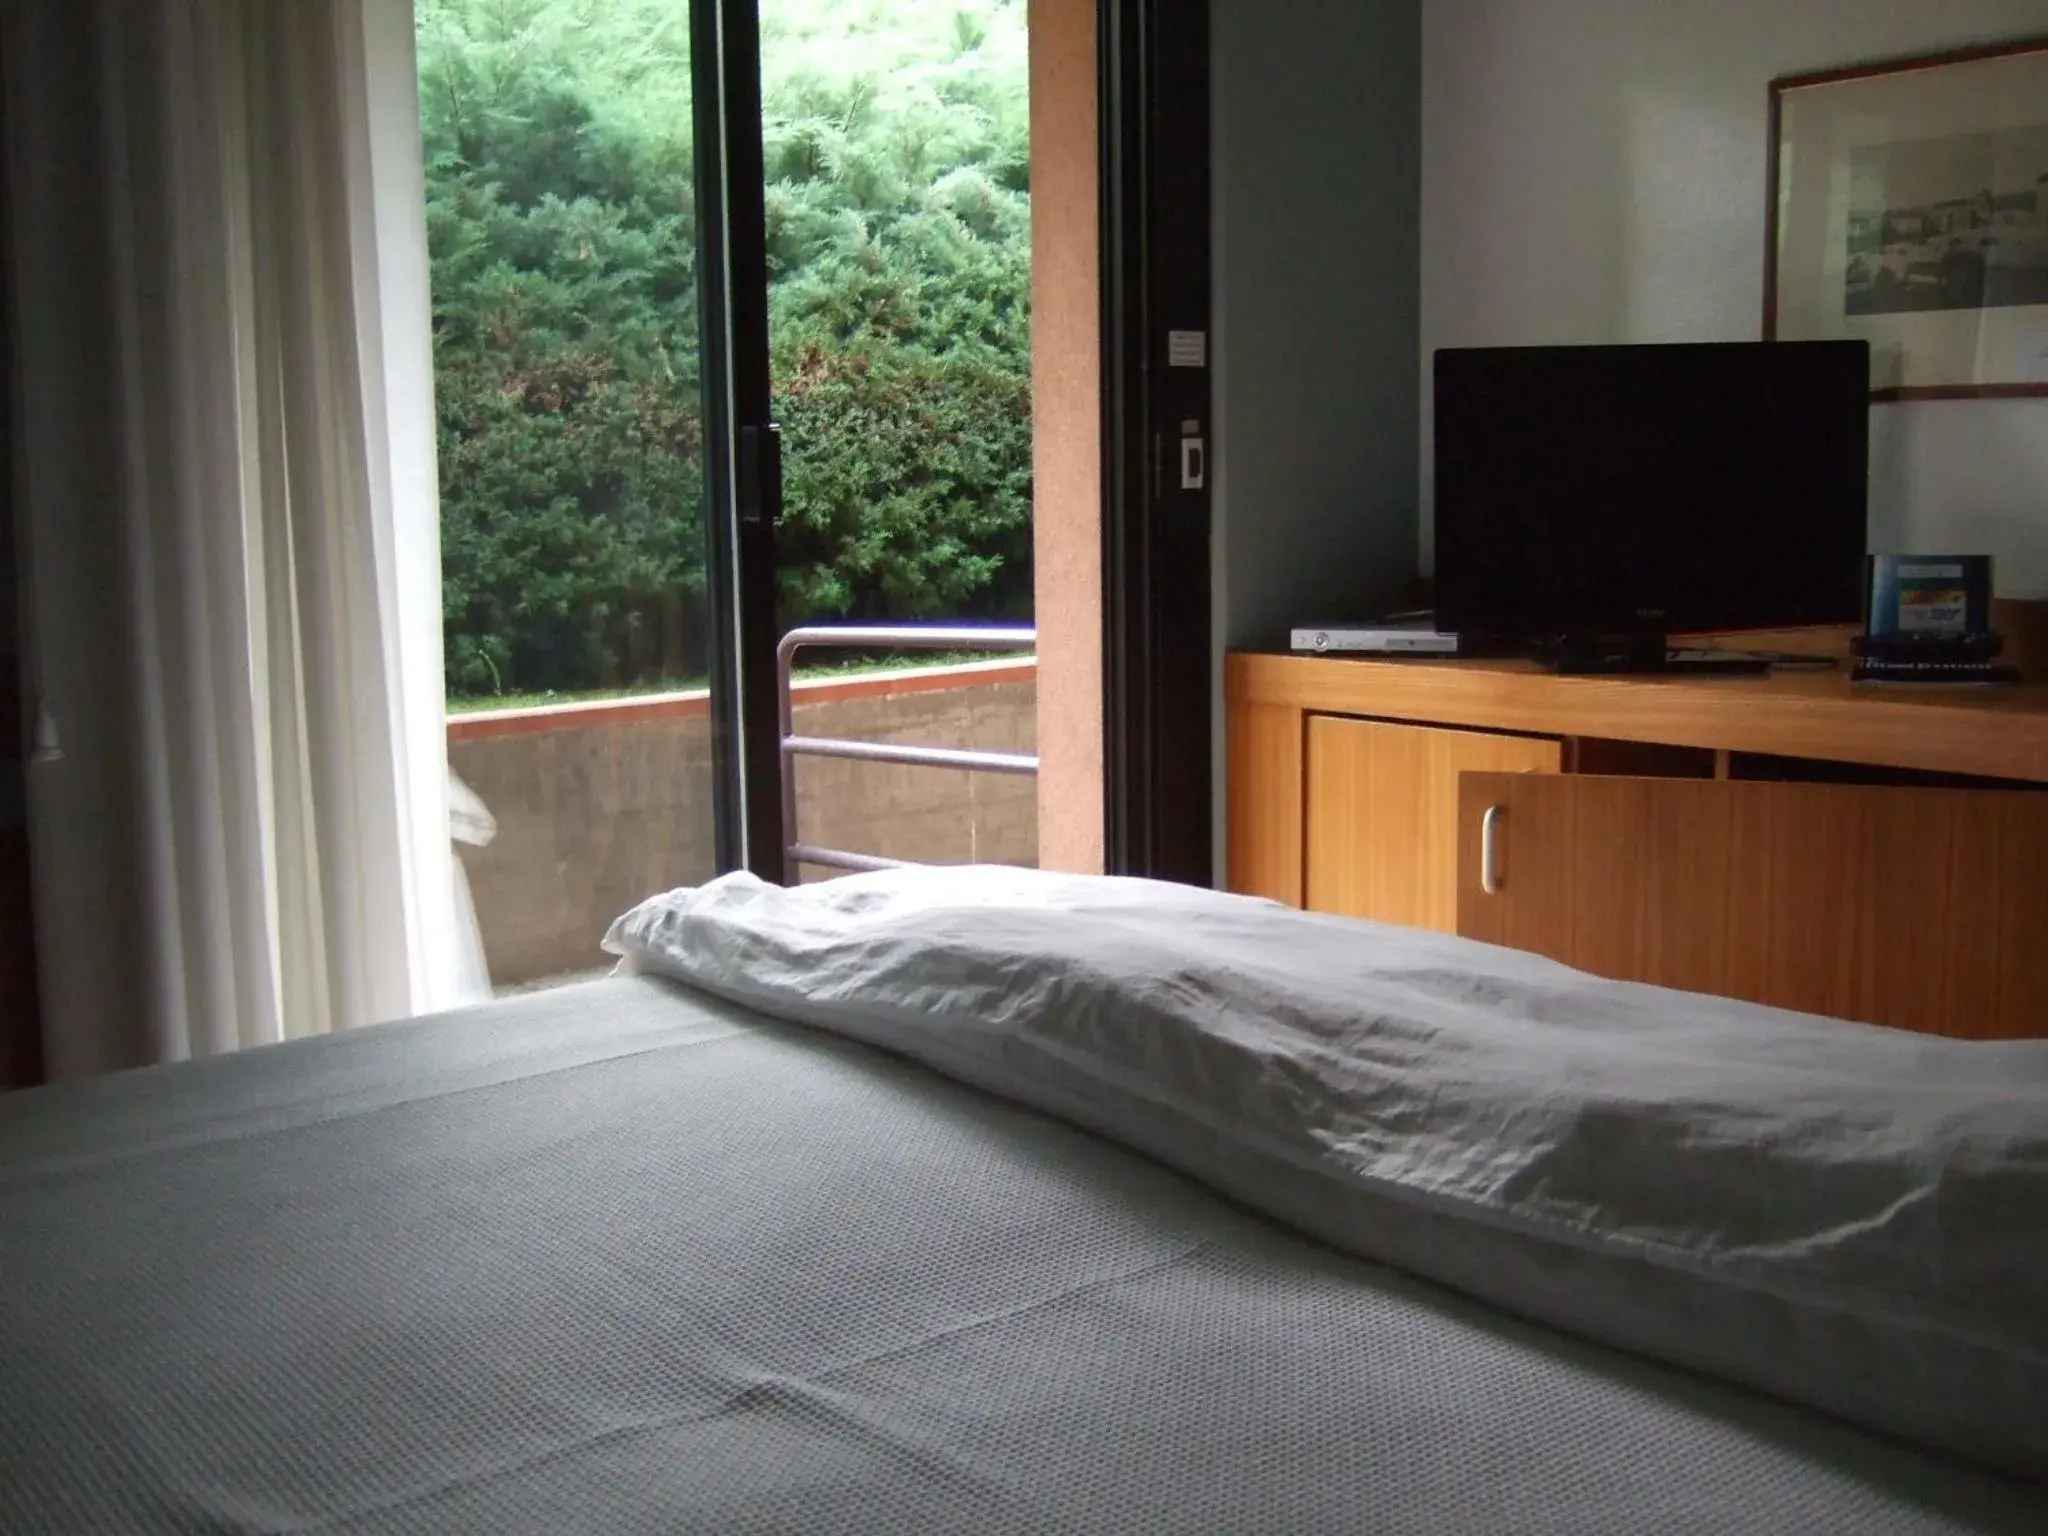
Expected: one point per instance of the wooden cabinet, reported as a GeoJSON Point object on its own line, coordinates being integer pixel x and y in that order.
{"type": "Point", "coordinates": [1382, 813]}
{"type": "Point", "coordinates": [1872, 854]}
{"type": "Point", "coordinates": [1925, 909]}
{"type": "Point", "coordinates": [1264, 753]}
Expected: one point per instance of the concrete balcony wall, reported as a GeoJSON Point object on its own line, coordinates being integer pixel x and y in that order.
{"type": "Point", "coordinates": [601, 805]}
{"type": "Point", "coordinates": [927, 815]}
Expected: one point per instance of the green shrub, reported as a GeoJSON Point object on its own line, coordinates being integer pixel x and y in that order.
{"type": "Point", "coordinates": [561, 226]}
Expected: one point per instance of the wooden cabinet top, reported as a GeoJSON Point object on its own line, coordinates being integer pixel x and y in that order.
{"type": "Point", "coordinates": [1996, 732]}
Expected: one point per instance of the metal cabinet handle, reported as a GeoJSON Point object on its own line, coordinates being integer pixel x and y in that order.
{"type": "Point", "coordinates": [1489, 850]}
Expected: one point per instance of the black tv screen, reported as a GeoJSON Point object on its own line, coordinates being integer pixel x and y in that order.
{"type": "Point", "coordinates": [1651, 489]}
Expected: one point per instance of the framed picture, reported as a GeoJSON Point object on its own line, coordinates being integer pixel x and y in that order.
{"type": "Point", "coordinates": [1909, 208]}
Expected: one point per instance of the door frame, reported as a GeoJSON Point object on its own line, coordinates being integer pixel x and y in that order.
{"type": "Point", "coordinates": [1153, 61]}
{"type": "Point", "coordinates": [742, 449]}
{"type": "Point", "coordinates": [1153, 243]}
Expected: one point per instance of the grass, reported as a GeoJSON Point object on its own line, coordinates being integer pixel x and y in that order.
{"type": "Point", "coordinates": [470, 706]}
{"type": "Point", "coordinates": [900, 661]}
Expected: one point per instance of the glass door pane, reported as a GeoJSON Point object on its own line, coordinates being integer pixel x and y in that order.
{"type": "Point", "coordinates": [896, 165]}
{"type": "Point", "coordinates": [590, 583]}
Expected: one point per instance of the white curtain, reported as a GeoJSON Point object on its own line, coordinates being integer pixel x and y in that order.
{"type": "Point", "coordinates": [239, 798]}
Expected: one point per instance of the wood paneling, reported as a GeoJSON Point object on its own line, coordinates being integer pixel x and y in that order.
{"type": "Point", "coordinates": [1656, 863]}
{"type": "Point", "coordinates": [1920, 908]}
{"type": "Point", "coordinates": [1263, 802]}
{"type": "Point", "coordinates": [2019, 896]}
{"type": "Point", "coordinates": [1994, 732]}
{"type": "Point", "coordinates": [1383, 814]}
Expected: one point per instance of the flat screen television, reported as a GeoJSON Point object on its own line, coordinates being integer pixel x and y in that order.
{"type": "Point", "coordinates": [1639, 491]}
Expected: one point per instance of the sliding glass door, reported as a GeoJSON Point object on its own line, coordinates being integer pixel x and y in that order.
{"type": "Point", "coordinates": [743, 501]}
{"type": "Point", "coordinates": [864, 226]}
{"type": "Point", "coordinates": [617, 208]}
{"type": "Point", "coordinates": [608, 470]}
{"type": "Point", "coordinates": [897, 161]}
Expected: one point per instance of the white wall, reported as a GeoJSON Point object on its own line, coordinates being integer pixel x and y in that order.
{"type": "Point", "coordinates": [1593, 171]}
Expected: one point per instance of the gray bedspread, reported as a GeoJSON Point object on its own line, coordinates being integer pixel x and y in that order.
{"type": "Point", "coordinates": [616, 1259]}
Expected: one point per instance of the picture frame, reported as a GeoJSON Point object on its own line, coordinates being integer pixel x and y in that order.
{"type": "Point", "coordinates": [1908, 206]}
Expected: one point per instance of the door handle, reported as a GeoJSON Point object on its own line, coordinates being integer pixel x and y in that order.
{"type": "Point", "coordinates": [1489, 849]}
{"type": "Point", "coordinates": [760, 487]}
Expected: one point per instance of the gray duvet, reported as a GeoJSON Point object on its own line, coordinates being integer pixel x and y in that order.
{"type": "Point", "coordinates": [616, 1259]}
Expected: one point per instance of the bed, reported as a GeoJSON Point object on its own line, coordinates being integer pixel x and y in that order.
{"type": "Point", "coordinates": [811, 1224]}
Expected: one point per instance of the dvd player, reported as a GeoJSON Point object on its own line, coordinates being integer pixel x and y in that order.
{"type": "Point", "coordinates": [1419, 638]}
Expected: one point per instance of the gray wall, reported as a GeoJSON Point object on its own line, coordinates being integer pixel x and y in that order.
{"type": "Point", "coordinates": [1316, 162]}
{"type": "Point", "coordinates": [1315, 145]}
{"type": "Point", "coordinates": [1594, 171]}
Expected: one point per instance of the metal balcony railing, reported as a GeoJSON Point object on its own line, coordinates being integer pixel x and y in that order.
{"type": "Point", "coordinates": [870, 637]}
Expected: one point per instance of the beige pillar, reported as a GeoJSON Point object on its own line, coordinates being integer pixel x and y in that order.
{"type": "Point", "coordinates": [1067, 433]}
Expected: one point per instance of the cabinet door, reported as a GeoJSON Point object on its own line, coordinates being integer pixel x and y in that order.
{"type": "Point", "coordinates": [1925, 909]}
{"type": "Point", "coordinates": [1382, 814]}
{"type": "Point", "coordinates": [1264, 839]}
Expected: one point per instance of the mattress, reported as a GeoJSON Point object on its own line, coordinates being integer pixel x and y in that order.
{"type": "Point", "coordinates": [617, 1258]}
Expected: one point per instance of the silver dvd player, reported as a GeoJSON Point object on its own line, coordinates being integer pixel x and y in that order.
{"type": "Point", "coordinates": [1399, 639]}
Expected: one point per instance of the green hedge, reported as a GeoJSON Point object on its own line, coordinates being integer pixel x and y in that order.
{"type": "Point", "coordinates": [561, 224]}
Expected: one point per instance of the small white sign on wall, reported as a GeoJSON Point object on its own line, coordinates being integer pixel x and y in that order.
{"type": "Point", "coordinates": [1187, 349]}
